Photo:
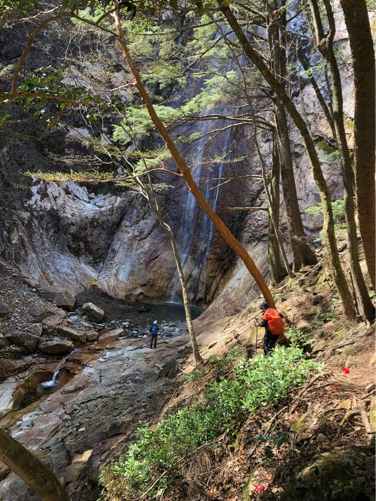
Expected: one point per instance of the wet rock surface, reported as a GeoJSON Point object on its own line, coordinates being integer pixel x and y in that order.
{"type": "Point", "coordinates": [81, 392]}
{"type": "Point", "coordinates": [78, 427]}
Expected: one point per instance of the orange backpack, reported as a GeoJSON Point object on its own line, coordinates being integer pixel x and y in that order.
{"type": "Point", "coordinates": [275, 322]}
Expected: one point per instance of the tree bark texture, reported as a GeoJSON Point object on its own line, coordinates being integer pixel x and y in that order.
{"type": "Point", "coordinates": [363, 58]}
{"type": "Point", "coordinates": [187, 175]}
{"type": "Point", "coordinates": [32, 471]}
{"type": "Point", "coordinates": [302, 254]}
{"type": "Point", "coordinates": [277, 271]}
{"type": "Point", "coordinates": [325, 46]}
{"type": "Point", "coordinates": [328, 226]}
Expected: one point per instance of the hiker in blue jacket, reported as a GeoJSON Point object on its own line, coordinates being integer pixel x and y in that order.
{"type": "Point", "coordinates": [154, 334]}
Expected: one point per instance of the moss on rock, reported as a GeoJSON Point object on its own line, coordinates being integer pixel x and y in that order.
{"type": "Point", "coordinates": [334, 476]}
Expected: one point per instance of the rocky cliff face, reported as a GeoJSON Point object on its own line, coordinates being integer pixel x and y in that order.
{"type": "Point", "coordinates": [65, 234]}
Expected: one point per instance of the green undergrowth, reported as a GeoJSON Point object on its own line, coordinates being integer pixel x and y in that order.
{"type": "Point", "coordinates": [226, 405]}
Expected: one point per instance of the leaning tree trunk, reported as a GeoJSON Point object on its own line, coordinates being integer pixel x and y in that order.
{"type": "Point", "coordinates": [328, 226]}
{"type": "Point", "coordinates": [186, 173]}
{"type": "Point", "coordinates": [32, 471]}
{"type": "Point", "coordinates": [363, 58]}
{"type": "Point", "coordinates": [325, 46]}
{"type": "Point", "coordinates": [277, 271]}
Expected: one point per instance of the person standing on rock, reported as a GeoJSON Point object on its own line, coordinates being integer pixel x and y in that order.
{"type": "Point", "coordinates": [154, 334]}
{"type": "Point", "coordinates": [274, 326]}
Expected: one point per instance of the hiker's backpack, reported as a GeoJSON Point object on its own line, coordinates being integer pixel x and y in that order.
{"type": "Point", "coordinates": [275, 322]}
{"type": "Point", "coordinates": [154, 329]}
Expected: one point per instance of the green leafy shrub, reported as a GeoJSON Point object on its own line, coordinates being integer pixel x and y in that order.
{"type": "Point", "coordinates": [255, 383]}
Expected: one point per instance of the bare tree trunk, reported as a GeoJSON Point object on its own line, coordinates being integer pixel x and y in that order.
{"type": "Point", "coordinates": [277, 271]}
{"type": "Point", "coordinates": [166, 228]}
{"type": "Point", "coordinates": [363, 57]}
{"type": "Point", "coordinates": [328, 226]}
{"type": "Point", "coordinates": [32, 471]}
{"type": "Point", "coordinates": [325, 46]}
{"type": "Point", "coordinates": [275, 223]}
{"type": "Point", "coordinates": [186, 171]}
{"type": "Point", "coordinates": [318, 93]}
{"type": "Point", "coordinates": [188, 316]}
{"type": "Point", "coordinates": [302, 254]}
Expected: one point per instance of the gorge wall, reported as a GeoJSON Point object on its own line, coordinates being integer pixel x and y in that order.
{"type": "Point", "coordinates": [68, 234]}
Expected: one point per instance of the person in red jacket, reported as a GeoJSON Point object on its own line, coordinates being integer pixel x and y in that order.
{"type": "Point", "coordinates": [274, 326]}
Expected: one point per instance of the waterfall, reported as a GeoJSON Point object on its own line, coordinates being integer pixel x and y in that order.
{"type": "Point", "coordinates": [189, 223]}
{"type": "Point", "coordinates": [54, 381]}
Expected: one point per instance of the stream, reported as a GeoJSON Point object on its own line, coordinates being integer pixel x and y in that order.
{"type": "Point", "coordinates": [79, 409]}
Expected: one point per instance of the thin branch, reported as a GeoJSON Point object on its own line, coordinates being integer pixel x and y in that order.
{"type": "Point", "coordinates": [249, 208]}
{"type": "Point", "coordinates": [29, 44]}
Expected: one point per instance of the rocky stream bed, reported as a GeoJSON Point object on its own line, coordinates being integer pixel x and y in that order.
{"type": "Point", "coordinates": [73, 389]}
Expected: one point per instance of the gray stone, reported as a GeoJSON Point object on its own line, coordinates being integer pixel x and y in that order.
{"type": "Point", "coordinates": [56, 346]}
{"type": "Point", "coordinates": [24, 340]}
{"type": "Point", "coordinates": [4, 310]}
{"type": "Point", "coordinates": [38, 310]}
{"type": "Point", "coordinates": [29, 282]}
{"type": "Point", "coordinates": [321, 438]}
{"type": "Point", "coordinates": [35, 329]}
{"type": "Point", "coordinates": [91, 335]}
{"type": "Point", "coordinates": [57, 295]}
{"type": "Point", "coordinates": [50, 323]}
{"type": "Point", "coordinates": [93, 312]}
{"type": "Point", "coordinates": [69, 333]}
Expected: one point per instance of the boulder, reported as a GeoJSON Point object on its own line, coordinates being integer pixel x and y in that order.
{"type": "Point", "coordinates": [24, 340]}
{"type": "Point", "coordinates": [69, 333]}
{"type": "Point", "coordinates": [56, 346]}
{"type": "Point", "coordinates": [4, 310]}
{"type": "Point", "coordinates": [29, 282]}
{"type": "Point", "coordinates": [93, 312]}
{"type": "Point", "coordinates": [50, 324]}
{"type": "Point", "coordinates": [334, 476]}
{"type": "Point", "coordinates": [35, 329]}
{"type": "Point", "coordinates": [91, 335]}
{"type": "Point", "coordinates": [39, 313]}
{"type": "Point", "coordinates": [57, 295]}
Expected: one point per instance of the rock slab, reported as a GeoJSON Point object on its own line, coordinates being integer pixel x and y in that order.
{"type": "Point", "coordinates": [93, 312]}
{"type": "Point", "coordinates": [24, 340]}
{"type": "Point", "coordinates": [69, 333]}
{"type": "Point", "coordinates": [56, 346]}
{"type": "Point", "coordinates": [57, 295]}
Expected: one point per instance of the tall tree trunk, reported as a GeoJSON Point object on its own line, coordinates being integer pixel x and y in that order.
{"type": "Point", "coordinates": [363, 58]}
{"type": "Point", "coordinates": [328, 226]}
{"type": "Point", "coordinates": [317, 90]}
{"type": "Point", "coordinates": [32, 471]}
{"type": "Point", "coordinates": [277, 271]}
{"type": "Point", "coordinates": [325, 46]}
{"type": "Point", "coordinates": [186, 171]}
{"type": "Point", "coordinates": [188, 316]}
{"type": "Point", "coordinates": [302, 254]}
{"type": "Point", "coordinates": [166, 228]}
{"type": "Point", "coordinates": [275, 222]}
